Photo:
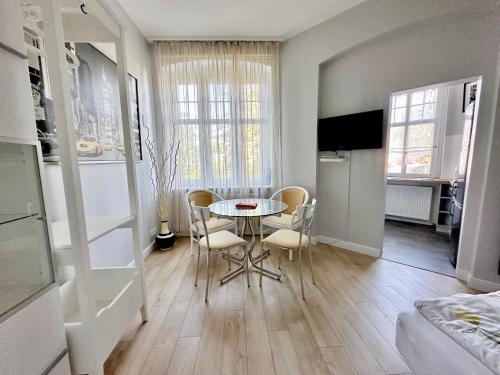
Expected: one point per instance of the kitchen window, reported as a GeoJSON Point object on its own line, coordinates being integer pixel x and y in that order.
{"type": "Point", "coordinates": [414, 133]}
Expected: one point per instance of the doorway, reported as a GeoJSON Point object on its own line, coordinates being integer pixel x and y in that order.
{"type": "Point", "coordinates": [429, 136]}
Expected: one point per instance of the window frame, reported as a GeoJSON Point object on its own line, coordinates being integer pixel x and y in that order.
{"type": "Point", "coordinates": [438, 140]}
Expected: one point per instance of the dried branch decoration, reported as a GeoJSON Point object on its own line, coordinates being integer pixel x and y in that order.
{"type": "Point", "coordinates": [163, 168]}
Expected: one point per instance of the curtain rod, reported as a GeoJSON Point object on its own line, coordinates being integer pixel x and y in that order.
{"type": "Point", "coordinates": [214, 39]}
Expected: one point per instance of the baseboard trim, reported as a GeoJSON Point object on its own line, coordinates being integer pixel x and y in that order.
{"type": "Point", "coordinates": [145, 252]}
{"type": "Point", "coordinates": [363, 249]}
{"type": "Point", "coordinates": [148, 250]}
{"type": "Point", "coordinates": [475, 283]}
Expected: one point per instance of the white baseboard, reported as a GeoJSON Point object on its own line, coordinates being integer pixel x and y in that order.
{"type": "Point", "coordinates": [475, 283]}
{"type": "Point", "coordinates": [145, 252]}
{"type": "Point", "coordinates": [363, 249]}
{"type": "Point", "coordinates": [148, 250]}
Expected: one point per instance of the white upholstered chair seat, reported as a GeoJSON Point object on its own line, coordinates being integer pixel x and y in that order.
{"type": "Point", "coordinates": [285, 221]}
{"type": "Point", "coordinates": [286, 238]}
{"type": "Point", "coordinates": [213, 224]}
{"type": "Point", "coordinates": [222, 240]}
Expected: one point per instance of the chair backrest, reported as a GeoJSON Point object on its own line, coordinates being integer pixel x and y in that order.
{"type": "Point", "coordinates": [202, 214]}
{"type": "Point", "coordinates": [200, 198]}
{"type": "Point", "coordinates": [306, 214]}
{"type": "Point", "coordinates": [293, 196]}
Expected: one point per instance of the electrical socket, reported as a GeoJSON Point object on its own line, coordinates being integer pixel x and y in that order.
{"type": "Point", "coordinates": [153, 232]}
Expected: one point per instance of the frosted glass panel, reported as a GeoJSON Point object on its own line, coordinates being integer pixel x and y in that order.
{"type": "Point", "coordinates": [25, 263]}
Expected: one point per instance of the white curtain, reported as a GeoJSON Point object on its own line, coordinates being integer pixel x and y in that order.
{"type": "Point", "coordinates": [221, 100]}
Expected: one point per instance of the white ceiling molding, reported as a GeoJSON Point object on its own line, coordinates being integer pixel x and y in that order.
{"type": "Point", "coordinates": [214, 38]}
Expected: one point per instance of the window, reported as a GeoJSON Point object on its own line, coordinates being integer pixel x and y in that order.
{"type": "Point", "coordinates": [220, 100]}
{"type": "Point", "coordinates": [413, 133]}
{"type": "Point", "coordinates": [218, 152]}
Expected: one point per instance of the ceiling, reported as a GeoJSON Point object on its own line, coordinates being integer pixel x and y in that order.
{"type": "Point", "coordinates": [230, 19]}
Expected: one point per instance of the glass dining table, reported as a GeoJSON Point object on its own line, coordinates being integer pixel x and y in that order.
{"type": "Point", "coordinates": [265, 207]}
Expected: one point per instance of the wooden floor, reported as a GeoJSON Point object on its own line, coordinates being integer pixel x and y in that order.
{"type": "Point", "coordinates": [344, 327]}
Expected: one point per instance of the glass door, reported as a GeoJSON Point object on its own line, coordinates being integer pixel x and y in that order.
{"type": "Point", "coordinates": [26, 266]}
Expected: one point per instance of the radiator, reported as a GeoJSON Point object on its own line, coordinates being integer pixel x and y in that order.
{"type": "Point", "coordinates": [413, 202]}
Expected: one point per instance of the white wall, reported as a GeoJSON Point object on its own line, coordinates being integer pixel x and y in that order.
{"type": "Point", "coordinates": [368, 52]}
{"type": "Point", "coordinates": [104, 185]}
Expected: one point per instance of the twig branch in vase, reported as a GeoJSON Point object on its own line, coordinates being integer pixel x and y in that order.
{"type": "Point", "coordinates": [164, 160]}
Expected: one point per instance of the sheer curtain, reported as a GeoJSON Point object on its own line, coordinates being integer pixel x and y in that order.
{"type": "Point", "coordinates": [221, 100]}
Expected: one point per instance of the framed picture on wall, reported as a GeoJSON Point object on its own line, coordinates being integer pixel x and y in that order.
{"type": "Point", "coordinates": [470, 91]}
{"type": "Point", "coordinates": [95, 102]}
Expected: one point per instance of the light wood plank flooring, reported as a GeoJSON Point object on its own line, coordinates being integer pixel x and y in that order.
{"type": "Point", "coordinates": [345, 326]}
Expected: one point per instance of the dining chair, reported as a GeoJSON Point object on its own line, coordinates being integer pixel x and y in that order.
{"type": "Point", "coordinates": [205, 198]}
{"type": "Point", "coordinates": [222, 240]}
{"type": "Point", "coordinates": [293, 196]}
{"type": "Point", "coordinates": [291, 240]}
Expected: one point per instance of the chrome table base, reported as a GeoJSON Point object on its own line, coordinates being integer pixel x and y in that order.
{"type": "Point", "coordinates": [243, 262]}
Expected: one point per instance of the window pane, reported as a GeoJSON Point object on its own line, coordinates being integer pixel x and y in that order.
{"type": "Point", "coordinates": [221, 153]}
{"type": "Point", "coordinates": [431, 96]}
{"type": "Point", "coordinates": [190, 165]}
{"type": "Point", "coordinates": [219, 110]}
{"type": "Point", "coordinates": [399, 101]}
{"type": "Point", "coordinates": [218, 93]}
{"type": "Point", "coordinates": [187, 93]}
{"type": "Point", "coordinates": [251, 110]}
{"type": "Point", "coordinates": [419, 162]}
{"type": "Point", "coordinates": [250, 92]}
{"type": "Point", "coordinates": [429, 111]}
{"type": "Point", "coordinates": [417, 98]}
{"type": "Point", "coordinates": [421, 135]}
{"type": "Point", "coordinates": [395, 162]}
{"type": "Point", "coordinates": [397, 137]}
{"type": "Point", "coordinates": [253, 152]}
{"type": "Point", "coordinates": [398, 115]}
{"type": "Point", "coordinates": [188, 111]}
{"type": "Point", "coordinates": [416, 113]}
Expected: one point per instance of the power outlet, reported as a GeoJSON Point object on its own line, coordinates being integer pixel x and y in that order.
{"type": "Point", "coordinates": [153, 232]}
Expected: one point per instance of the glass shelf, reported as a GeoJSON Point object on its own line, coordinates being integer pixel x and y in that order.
{"type": "Point", "coordinates": [9, 218]}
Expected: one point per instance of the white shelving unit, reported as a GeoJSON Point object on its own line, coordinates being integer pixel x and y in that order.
{"type": "Point", "coordinates": [99, 304]}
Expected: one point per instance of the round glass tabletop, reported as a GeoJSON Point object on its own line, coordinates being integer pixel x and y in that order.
{"type": "Point", "coordinates": [265, 207]}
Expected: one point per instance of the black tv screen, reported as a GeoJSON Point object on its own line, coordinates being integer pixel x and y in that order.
{"type": "Point", "coordinates": [351, 132]}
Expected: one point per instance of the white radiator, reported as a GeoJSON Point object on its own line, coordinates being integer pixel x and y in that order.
{"type": "Point", "coordinates": [413, 202]}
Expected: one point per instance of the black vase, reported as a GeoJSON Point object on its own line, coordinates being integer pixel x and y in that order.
{"type": "Point", "coordinates": [165, 239]}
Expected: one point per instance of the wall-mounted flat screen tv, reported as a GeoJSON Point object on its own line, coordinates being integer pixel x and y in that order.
{"type": "Point", "coordinates": [351, 132]}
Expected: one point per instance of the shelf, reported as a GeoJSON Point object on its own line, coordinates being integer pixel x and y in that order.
{"type": "Point", "coordinates": [118, 297]}
{"type": "Point", "coordinates": [97, 226]}
{"type": "Point", "coordinates": [9, 218]}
